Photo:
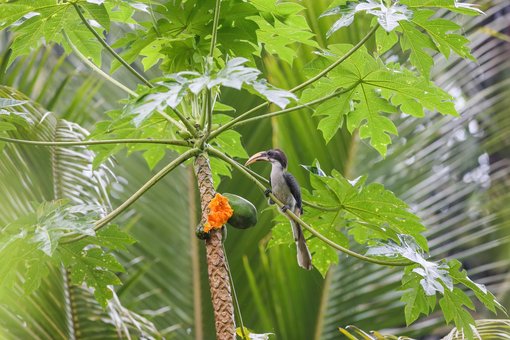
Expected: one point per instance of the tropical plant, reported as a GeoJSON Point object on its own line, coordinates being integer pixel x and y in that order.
{"type": "Point", "coordinates": [483, 329]}
{"type": "Point", "coordinates": [184, 110]}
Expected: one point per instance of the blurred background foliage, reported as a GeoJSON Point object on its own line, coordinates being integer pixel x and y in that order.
{"type": "Point", "coordinates": [455, 174]}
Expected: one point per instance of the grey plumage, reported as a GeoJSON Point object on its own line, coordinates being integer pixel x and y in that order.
{"type": "Point", "coordinates": [286, 188]}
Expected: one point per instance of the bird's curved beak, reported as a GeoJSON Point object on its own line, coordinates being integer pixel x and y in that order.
{"type": "Point", "coordinates": [259, 156]}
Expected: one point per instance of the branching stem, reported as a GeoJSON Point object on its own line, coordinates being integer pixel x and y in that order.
{"type": "Point", "coordinates": [149, 184]}
{"type": "Point", "coordinates": [186, 122]}
{"type": "Point", "coordinates": [171, 120]}
{"type": "Point", "coordinates": [295, 218]}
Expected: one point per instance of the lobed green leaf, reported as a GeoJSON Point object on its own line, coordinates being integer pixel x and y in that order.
{"type": "Point", "coordinates": [367, 89]}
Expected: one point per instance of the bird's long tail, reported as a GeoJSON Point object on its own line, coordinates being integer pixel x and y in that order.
{"type": "Point", "coordinates": [303, 254]}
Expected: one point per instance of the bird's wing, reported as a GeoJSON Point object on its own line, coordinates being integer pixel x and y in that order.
{"type": "Point", "coordinates": [295, 190]}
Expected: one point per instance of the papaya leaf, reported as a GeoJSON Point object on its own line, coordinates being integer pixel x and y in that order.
{"type": "Point", "coordinates": [426, 279]}
{"type": "Point", "coordinates": [423, 34]}
{"type": "Point", "coordinates": [29, 243]}
{"type": "Point", "coordinates": [452, 5]}
{"type": "Point", "coordinates": [281, 25]}
{"type": "Point", "coordinates": [121, 126]}
{"type": "Point", "coordinates": [440, 30]}
{"type": "Point", "coordinates": [369, 89]}
{"type": "Point", "coordinates": [388, 17]}
{"type": "Point", "coordinates": [314, 169]}
{"type": "Point", "coordinates": [35, 22]}
{"type": "Point", "coordinates": [229, 141]}
{"type": "Point", "coordinates": [369, 212]}
{"type": "Point", "coordinates": [94, 266]}
{"type": "Point", "coordinates": [173, 90]}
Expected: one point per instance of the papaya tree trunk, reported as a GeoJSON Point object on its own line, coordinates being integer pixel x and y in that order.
{"type": "Point", "coordinates": [216, 266]}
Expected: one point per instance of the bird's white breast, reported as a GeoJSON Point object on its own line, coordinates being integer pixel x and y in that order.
{"type": "Point", "coordinates": [280, 188]}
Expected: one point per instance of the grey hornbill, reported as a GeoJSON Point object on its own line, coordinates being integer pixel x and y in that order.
{"type": "Point", "coordinates": [286, 188]}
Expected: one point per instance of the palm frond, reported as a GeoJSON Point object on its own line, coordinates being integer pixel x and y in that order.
{"type": "Point", "coordinates": [70, 170]}
{"type": "Point", "coordinates": [160, 280]}
{"type": "Point", "coordinates": [158, 288]}
{"type": "Point", "coordinates": [485, 329]}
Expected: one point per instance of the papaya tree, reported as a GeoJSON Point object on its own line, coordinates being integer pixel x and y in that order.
{"type": "Point", "coordinates": [197, 52]}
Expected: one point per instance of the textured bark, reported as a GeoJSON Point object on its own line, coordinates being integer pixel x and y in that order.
{"type": "Point", "coordinates": [216, 266]}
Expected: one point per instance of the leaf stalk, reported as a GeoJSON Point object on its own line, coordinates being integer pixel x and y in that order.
{"type": "Point", "coordinates": [110, 49]}
{"type": "Point", "coordinates": [300, 86]}
{"type": "Point", "coordinates": [214, 34]}
{"type": "Point", "coordinates": [186, 122]}
{"type": "Point", "coordinates": [305, 225]}
{"type": "Point", "coordinates": [338, 62]}
{"type": "Point", "coordinates": [144, 188]}
{"type": "Point", "coordinates": [298, 107]}
{"type": "Point", "coordinates": [97, 142]}
{"type": "Point", "coordinates": [98, 70]}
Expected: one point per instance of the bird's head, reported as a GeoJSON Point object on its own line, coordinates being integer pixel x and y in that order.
{"type": "Point", "coordinates": [275, 156]}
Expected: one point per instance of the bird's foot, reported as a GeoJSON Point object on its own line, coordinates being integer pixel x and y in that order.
{"type": "Point", "coordinates": [285, 208]}
{"type": "Point", "coordinates": [270, 201]}
{"type": "Point", "coordinates": [267, 192]}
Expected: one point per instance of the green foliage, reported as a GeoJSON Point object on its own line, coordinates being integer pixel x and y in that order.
{"type": "Point", "coordinates": [31, 244]}
{"type": "Point", "coordinates": [412, 20]}
{"type": "Point", "coordinates": [427, 279]}
{"type": "Point", "coordinates": [29, 176]}
{"type": "Point", "coordinates": [352, 83]}
{"type": "Point", "coordinates": [422, 34]}
{"type": "Point", "coordinates": [452, 5]}
{"type": "Point", "coordinates": [369, 89]}
{"type": "Point", "coordinates": [89, 263]}
{"type": "Point", "coordinates": [180, 38]}
{"type": "Point", "coordinates": [12, 117]}
{"type": "Point", "coordinates": [189, 86]}
{"type": "Point", "coordinates": [46, 20]}
{"type": "Point", "coordinates": [280, 26]}
{"type": "Point", "coordinates": [388, 16]}
{"type": "Point", "coordinates": [121, 126]}
{"type": "Point", "coordinates": [366, 212]}
{"type": "Point", "coordinates": [230, 141]}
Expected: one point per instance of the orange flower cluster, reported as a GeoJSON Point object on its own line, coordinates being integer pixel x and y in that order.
{"type": "Point", "coordinates": [219, 213]}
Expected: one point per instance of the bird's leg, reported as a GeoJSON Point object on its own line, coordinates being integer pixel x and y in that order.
{"type": "Point", "coordinates": [285, 208]}
{"type": "Point", "coordinates": [267, 192]}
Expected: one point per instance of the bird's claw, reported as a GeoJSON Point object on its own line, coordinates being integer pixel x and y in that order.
{"type": "Point", "coordinates": [267, 192]}
{"type": "Point", "coordinates": [285, 208]}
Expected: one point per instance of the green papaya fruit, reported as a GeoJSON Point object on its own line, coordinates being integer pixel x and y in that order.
{"type": "Point", "coordinates": [200, 233]}
{"type": "Point", "coordinates": [245, 213]}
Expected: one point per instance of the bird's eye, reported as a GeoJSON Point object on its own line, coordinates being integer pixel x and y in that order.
{"type": "Point", "coordinates": [270, 153]}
